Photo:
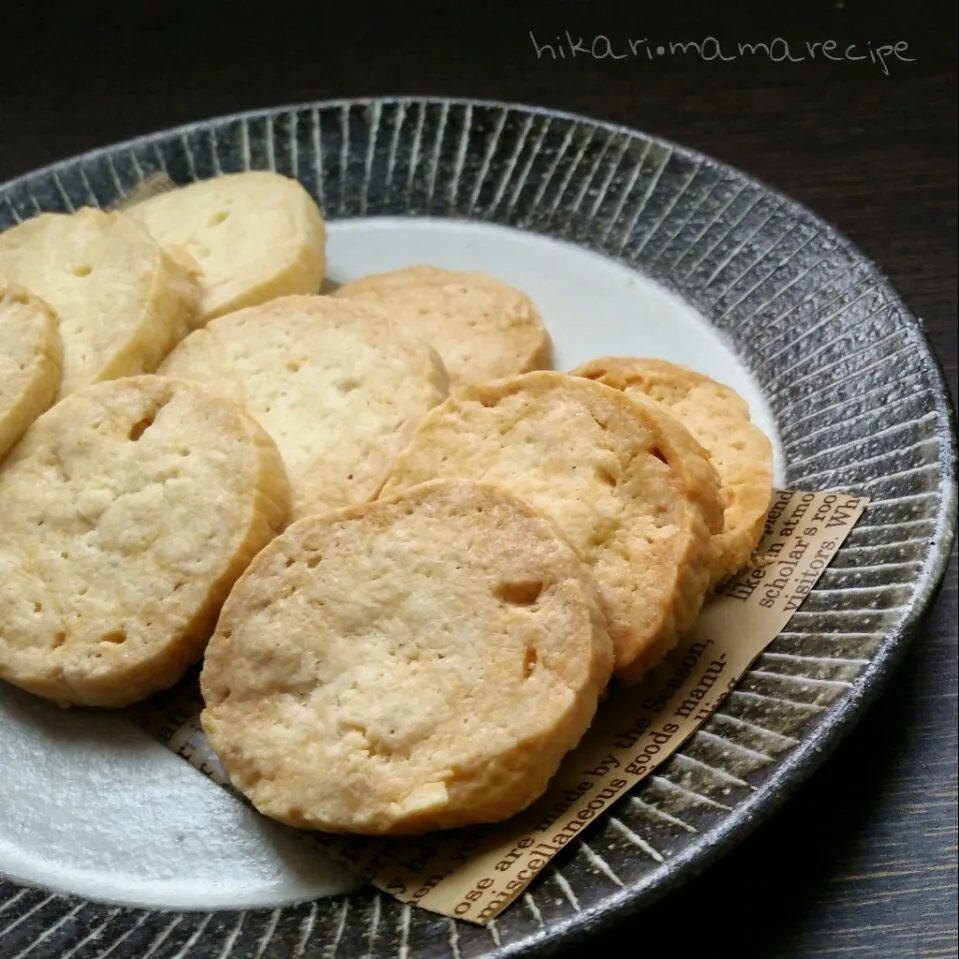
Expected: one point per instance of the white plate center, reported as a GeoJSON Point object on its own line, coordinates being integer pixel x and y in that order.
{"type": "Point", "coordinates": [90, 806]}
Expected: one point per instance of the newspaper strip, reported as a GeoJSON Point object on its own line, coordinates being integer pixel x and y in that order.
{"type": "Point", "coordinates": [474, 874]}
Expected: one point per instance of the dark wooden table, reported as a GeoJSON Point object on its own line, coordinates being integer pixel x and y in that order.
{"type": "Point", "coordinates": [869, 144]}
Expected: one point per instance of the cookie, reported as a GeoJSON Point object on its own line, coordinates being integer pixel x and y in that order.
{"type": "Point", "coordinates": [255, 236]}
{"type": "Point", "coordinates": [121, 301]}
{"type": "Point", "coordinates": [129, 510]}
{"type": "Point", "coordinates": [415, 663]}
{"type": "Point", "coordinates": [30, 357]}
{"type": "Point", "coordinates": [481, 327]}
{"type": "Point", "coordinates": [337, 386]}
{"type": "Point", "coordinates": [627, 485]}
{"type": "Point", "coordinates": [718, 417]}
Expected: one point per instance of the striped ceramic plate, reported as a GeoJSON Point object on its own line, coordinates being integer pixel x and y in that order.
{"type": "Point", "coordinates": [629, 245]}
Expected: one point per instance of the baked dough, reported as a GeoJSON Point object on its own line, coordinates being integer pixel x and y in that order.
{"type": "Point", "coordinates": [718, 417]}
{"type": "Point", "coordinates": [337, 386]}
{"type": "Point", "coordinates": [30, 357]}
{"type": "Point", "coordinates": [129, 510]}
{"type": "Point", "coordinates": [255, 236]}
{"type": "Point", "coordinates": [410, 664]}
{"type": "Point", "coordinates": [121, 301]}
{"type": "Point", "coordinates": [481, 327]}
{"type": "Point", "coordinates": [629, 487]}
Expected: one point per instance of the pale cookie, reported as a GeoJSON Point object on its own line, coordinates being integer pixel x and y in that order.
{"type": "Point", "coordinates": [129, 510]}
{"type": "Point", "coordinates": [415, 663]}
{"type": "Point", "coordinates": [630, 488]}
{"type": "Point", "coordinates": [256, 236]}
{"type": "Point", "coordinates": [30, 356]}
{"type": "Point", "coordinates": [122, 302]}
{"type": "Point", "coordinates": [718, 417]}
{"type": "Point", "coordinates": [483, 329]}
{"type": "Point", "coordinates": [336, 385]}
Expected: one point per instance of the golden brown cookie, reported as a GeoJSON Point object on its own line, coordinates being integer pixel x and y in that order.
{"type": "Point", "coordinates": [121, 301]}
{"type": "Point", "coordinates": [30, 357]}
{"type": "Point", "coordinates": [414, 663]}
{"type": "Point", "coordinates": [129, 510]}
{"type": "Point", "coordinates": [338, 387]}
{"type": "Point", "coordinates": [628, 486]}
{"type": "Point", "coordinates": [718, 417]}
{"type": "Point", "coordinates": [481, 327]}
{"type": "Point", "coordinates": [255, 236]}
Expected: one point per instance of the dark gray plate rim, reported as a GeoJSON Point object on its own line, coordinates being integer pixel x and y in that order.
{"type": "Point", "coordinates": [819, 742]}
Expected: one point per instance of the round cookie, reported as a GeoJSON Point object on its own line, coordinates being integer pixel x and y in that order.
{"type": "Point", "coordinates": [338, 387]}
{"type": "Point", "coordinates": [129, 510]}
{"type": "Point", "coordinates": [718, 417]}
{"type": "Point", "coordinates": [414, 663]}
{"type": "Point", "coordinates": [121, 301]}
{"type": "Point", "coordinates": [483, 329]}
{"type": "Point", "coordinates": [30, 356]}
{"type": "Point", "coordinates": [627, 485]}
{"type": "Point", "coordinates": [255, 235]}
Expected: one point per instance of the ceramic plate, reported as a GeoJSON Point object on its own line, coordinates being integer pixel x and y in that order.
{"type": "Point", "coordinates": [628, 244]}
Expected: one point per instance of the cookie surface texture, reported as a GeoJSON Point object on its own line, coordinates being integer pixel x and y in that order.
{"type": "Point", "coordinates": [30, 357]}
{"type": "Point", "coordinates": [337, 386]}
{"type": "Point", "coordinates": [410, 664]}
{"type": "Point", "coordinates": [482, 328]}
{"type": "Point", "coordinates": [718, 418]}
{"type": "Point", "coordinates": [255, 236]}
{"type": "Point", "coordinates": [129, 510]}
{"type": "Point", "coordinates": [629, 487]}
{"type": "Point", "coordinates": [122, 302]}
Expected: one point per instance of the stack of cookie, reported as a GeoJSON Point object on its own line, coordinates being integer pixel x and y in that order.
{"type": "Point", "coordinates": [412, 556]}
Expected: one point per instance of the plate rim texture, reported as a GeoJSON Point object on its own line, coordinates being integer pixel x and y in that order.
{"type": "Point", "coordinates": [369, 921]}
